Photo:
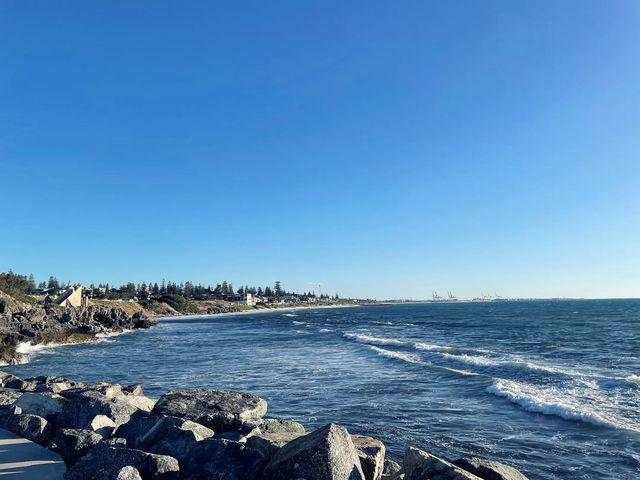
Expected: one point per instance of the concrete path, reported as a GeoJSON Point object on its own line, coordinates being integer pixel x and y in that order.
{"type": "Point", "coordinates": [21, 459]}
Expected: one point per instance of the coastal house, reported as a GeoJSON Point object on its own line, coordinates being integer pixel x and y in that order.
{"type": "Point", "coordinates": [72, 297]}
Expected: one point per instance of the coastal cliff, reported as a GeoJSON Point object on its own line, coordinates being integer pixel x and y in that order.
{"type": "Point", "coordinates": [36, 324]}
{"type": "Point", "coordinates": [113, 432]}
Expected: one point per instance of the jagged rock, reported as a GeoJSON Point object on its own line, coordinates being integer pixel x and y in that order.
{"type": "Point", "coordinates": [134, 389]}
{"type": "Point", "coordinates": [8, 396]}
{"type": "Point", "coordinates": [72, 443]}
{"type": "Point", "coordinates": [269, 443]}
{"type": "Point", "coordinates": [31, 427]}
{"type": "Point", "coordinates": [128, 473]}
{"type": "Point", "coordinates": [489, 469]}
{"type": "Point", "coordinates": [6, 413]}
{"type": "Point", "coordinates": [219, 410]}
{"type": "Point", "coordinates": [115, 442]}
{"type": "Point", "coordinates": [53, 384]}
{"type": "Point", "coordinates": [214, 459]}
{"type": "Point", "coordinates": [276, 425]}
{"type": "Point", "coordinates": [391, 470]}
{"type": "Point", "coordinates": [82, 408]}
{"type": "Point", "coordinates": [164, 435]}
{"type": "Point", "coordinates": [47, 405]}
{"type": "Point", "coordinates": [104, 462]}
{"type": "Point", "coordinates": [3, 377]}
{"type": "Point", "coordinates": [20, 384]}
{"type": "Point", "coordinates": [420, 465]}
{"type": "Point", "coordinates": [102, 425]}
{"type": "Point", "coordinates": [325, 454]}
{"type": "Point", "coordinates": [371, 453]}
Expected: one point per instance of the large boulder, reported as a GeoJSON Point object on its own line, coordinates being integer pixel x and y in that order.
{"type": "Point", "coordinates": [20, 384]}
{"type": "Point", "coordinates": [102, 425]}
{"type": "Point", "coordinates": [47, 405]}
{"type": "Point", "coordinates": [214, 459]}
{"type": "Point", "coordinates": [269, 443]}
{"type": "Point", "coordinates": [420, 465]}
{"type": "Point", "coordinates": [325, 454]}
{"type": "Point", "coordinates": [9, 395]}
{"type": "Point", "coordinates": [83, 407]}
{"type": "Point", "coordinates": [371, 453]}
{"type": "Point", "coordinates": [489, 469]}
{"type": "Point", "coordinates": [31, 427]}
{"type": "Point", "coordinates": [72, 443]}
{"type": "Point", "coordinates": [128, 473]}
{"type": "Point", "coordinates": [105, 462]}
{"type": "Point", "coordinates": [219, 410]}
{"type": "Point", "coordinates": [53, 384]}
{"type": "Point", "coordinates": [163, 435]}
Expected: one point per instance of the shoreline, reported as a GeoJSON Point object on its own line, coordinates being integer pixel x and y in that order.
{"type": "Point", "coordinates": [187, 316]}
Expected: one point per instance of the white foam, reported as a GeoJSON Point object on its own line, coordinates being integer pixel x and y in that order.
{"type": "Point", "coordinates": [432, 346]}
{"type": "Point", "coordinates": [568, 402]}
{"type": "Point", "coordinates": [407, 357]}
{"type": "Point", "coordinates": [474, 359]}
{"type": "Point", "coordinates": [289, 315]}
{"type": "Point", "coordinates": [324, 330]}
{"type": "Point", "coordinates": [633, 378]}
{"type": "Point", "coordinates": [368, 339]}
{"type": "Point", "coordinates": [112, 334]}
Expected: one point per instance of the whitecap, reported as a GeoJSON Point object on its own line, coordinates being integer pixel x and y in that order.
{"type": "Point", "coordinates": [407, 357]}
{"type": "Point", "coordinates": [362, 338]}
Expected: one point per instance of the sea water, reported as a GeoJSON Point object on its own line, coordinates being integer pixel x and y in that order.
{"type": "Point", "coordinates": [551, 387]}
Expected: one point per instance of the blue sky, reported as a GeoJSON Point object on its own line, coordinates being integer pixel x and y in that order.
{"type": "Point", "coordinates": [387, 149]}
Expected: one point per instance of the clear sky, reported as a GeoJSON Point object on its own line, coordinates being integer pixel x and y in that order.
{"type": "Point", "coordinates": [386, 149]}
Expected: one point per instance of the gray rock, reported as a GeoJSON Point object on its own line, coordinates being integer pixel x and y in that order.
{"type": "Point", "coordinates": [391, 470]}
{"type": "Point", "coordinates": [128, 473]}
{"type": "Point", "coordinates": [219, 410]}
{"type": "Point", "coordinates": [371, 453]}
{"type": "Point", "coordinates": [164, 435]}
{"type": "Point", "coordinates": [9, 395]}
{"type": "Point", "coordinates": [276, 425]}
{"type": "Point", "coordinates": [72, 443]}
{"type": "Point", "coordinates": [489, 469]}
{"type": "Point", "coordinates": [420, 465]}
{"type": "Point", "coordinates": [269, 443]}
{"type": "Point", "coordinates": [135, 389]}
{"type": "Point", "coordinates": [53, 384]}
{"type": "Point", "coordinates": [214, 459]}
{"type": "Point", "coordinates": [47, 405]}
{"type": "Point", "coordinates": [31, 427]}
{"type": "Point", "coordinates": [102, 425]}
{"type": "Point", "coordinates": [20, 384]}
{"type": "Point", "coordinates": [82, 408]}
{"type": "Point", "coordinates": [104, 462]}
{"type": "Point", "coordinates": [325, 454]}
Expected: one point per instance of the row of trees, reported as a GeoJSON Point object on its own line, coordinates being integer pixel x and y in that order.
{"type": "Point", "coordinates": [19, 285]}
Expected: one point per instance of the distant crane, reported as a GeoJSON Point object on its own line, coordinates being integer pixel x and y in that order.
{"type": "Point", "coordinates": [436, 297]}
{"type": "Point", "coordinates": [451, 297]}
{"type": "Point", "coordinates": [319, 285]}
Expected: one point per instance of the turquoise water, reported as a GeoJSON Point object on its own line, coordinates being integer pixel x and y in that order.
{"type": "Point", "coordinates": [552, 387]}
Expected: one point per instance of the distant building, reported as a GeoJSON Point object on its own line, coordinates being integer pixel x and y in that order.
{"type": "Point", "coordinates": [251, 300]}
{"type": "Point", "coordinates": [72, 297]}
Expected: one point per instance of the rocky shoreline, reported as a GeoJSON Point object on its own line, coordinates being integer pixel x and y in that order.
{"type": "Point", "coordinates": [114, 432]}
{"type": "Point", "coordinates": [54, 325]}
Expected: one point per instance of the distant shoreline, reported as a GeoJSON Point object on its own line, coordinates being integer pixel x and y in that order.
{"type": "Point", "coordinates": [188, 316]}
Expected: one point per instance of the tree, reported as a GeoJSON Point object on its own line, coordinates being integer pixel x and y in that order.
{"type": "Point", "coordinates": [32, 283]}
{"type": "Point", "coordinates": [278, 289]}
{"type": "Point", "coordinates": [14, 285]}
{"type": "Point", "coordinates": [156, 290]}
{"type": "Point", "coordinates": [53, 285]}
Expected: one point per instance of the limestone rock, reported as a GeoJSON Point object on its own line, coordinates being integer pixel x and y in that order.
{"type": "Point", "coordinates": [371, 453]}
{"type": "Point", "coordinates": [420, 465]}
{"type": "Point", "coordinates": [104, 462]}
{"type": "Point", "coordinates": [219, 410]}
{"type": "Point", "coordinates": [489, 469]}
{"type": "Point", "coordinates": [214, 459]}
{"type": "Point", "coordinates": [71, 443]}
{"type": "Point", "coordinates": [325, 454]}
{"type": "Point", "coordinates": [102, 425]}
{"type": "Point", "coordinates": [31, 427]}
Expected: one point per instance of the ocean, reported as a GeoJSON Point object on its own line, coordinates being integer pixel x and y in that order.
{"type": "Point", "coordinates": [551, 387]}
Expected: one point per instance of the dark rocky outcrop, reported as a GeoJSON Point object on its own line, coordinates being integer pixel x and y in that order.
{"type": "Point", "coordinates": [420, 465]}
{"type": "Point", "coordinates": [489, 469]}
{"type": "Point", "coordinates": [41, 325]}
{"type": "Point", "coordinates": [31, 427]}
{"type": "Point", "coordinates": [214, 459]}
{"type": "Point", "coordinates": [391, 470]}
{"type": "Point", "coordinates": [325, 454]}
{"type": "Point", "coordinates": [219, 410]}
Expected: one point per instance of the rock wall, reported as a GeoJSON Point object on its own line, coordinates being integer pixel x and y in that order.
{"type": "Point", "coordinates": [114, 432]}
